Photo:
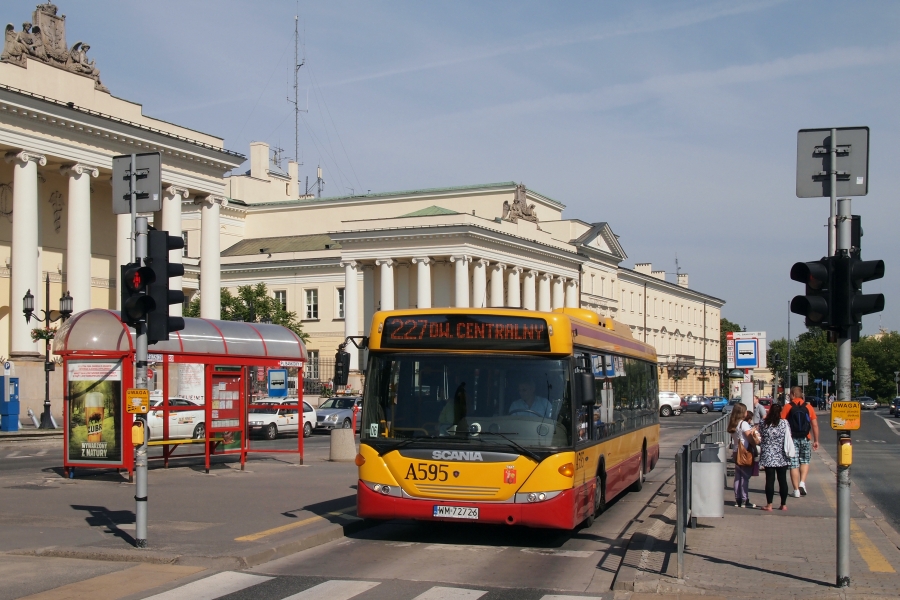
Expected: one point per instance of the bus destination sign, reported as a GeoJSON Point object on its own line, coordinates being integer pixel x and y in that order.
{"type": "Point", "coordinates": [466, 332]}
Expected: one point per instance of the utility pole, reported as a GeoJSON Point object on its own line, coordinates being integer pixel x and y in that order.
{"type": "Point", "coordinates": [843, 395]}
{"type": "Point", "coordinates": [139, 226]}
{"type": "Point", "coordinates": [296, 101]}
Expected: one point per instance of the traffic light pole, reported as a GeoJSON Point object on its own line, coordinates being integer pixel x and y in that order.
{"type": "Point", "coordinates": [139, 253]}
{"type": "Point", "coordinates": [843, 395]}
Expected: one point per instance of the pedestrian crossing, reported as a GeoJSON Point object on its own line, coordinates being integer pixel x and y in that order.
{"type": "Point", "coordinates": [245, 585]}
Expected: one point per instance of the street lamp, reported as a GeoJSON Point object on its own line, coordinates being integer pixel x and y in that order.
{"type": "Point", "coordinates": [64, 312]}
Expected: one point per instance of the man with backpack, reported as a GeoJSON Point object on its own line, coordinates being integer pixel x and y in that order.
{"type": "Point", "coordinates": [802, 420]}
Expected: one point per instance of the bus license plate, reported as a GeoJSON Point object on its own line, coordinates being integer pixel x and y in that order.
{"type": "Point", "coordinates": [456, 512]}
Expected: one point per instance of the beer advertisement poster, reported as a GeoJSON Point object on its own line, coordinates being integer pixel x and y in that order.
{"type": "Point", "coordinates": [94, 412]}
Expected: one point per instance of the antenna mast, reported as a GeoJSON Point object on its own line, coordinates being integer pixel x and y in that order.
{"type": "Point", "coordinates": [296, 101]}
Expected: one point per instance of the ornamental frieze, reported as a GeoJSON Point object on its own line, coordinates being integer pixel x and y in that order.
{"type": "Point", "coordinates": [44, 39]}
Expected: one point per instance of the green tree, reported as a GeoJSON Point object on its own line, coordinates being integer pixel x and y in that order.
{"type": "Point", "coordinates": [252, 304]}
{"type": "Point", "coordinates": [882, 354]}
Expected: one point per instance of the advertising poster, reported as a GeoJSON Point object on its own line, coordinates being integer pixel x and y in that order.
{"type": "Point", "coordinates": [94, 412]}
{"type": "Point", "coordinates": [192, 382]}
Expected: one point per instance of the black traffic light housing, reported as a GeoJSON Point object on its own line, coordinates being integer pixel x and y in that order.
{"type": "Point", "coordinates": [159, 323]}
{"type": "Point", "coordinates": [136, 301]}
{"type": "Point", "coordinates": [850, 303]}
{"type": "Point", "coordinates": [341, 367]}
{"type": "Point", "coordinates": [817, 304]}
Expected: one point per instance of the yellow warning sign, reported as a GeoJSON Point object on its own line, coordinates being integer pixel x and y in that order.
{"type": "Point", "coordinates": [137, 402]}
{"type": "Point", "coordinates": [845, 416]}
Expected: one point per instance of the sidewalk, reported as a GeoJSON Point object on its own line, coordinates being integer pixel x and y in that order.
{"type": "Point", "coordinates": [757, 554]}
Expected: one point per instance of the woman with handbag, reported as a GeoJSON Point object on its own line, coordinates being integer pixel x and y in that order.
{"type": "Point", "coordinates": [739, 429]}
{"type": "Point", "coordinates": [777, 447]}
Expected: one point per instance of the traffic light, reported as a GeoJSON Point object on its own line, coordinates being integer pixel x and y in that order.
{"type": "Point", "coordinates": [341, 367]}
{"type": "Point", "coordinates": [851, 304]}
{"type": "Point", "coordinates": [159, 323]}
{"type": "Point", "coordinates": [136, 301]}
{"type": "Point", "coordinates": [817, 304]}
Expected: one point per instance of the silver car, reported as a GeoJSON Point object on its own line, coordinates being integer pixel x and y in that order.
{"type": "Point", "coordinates": [337, 413]}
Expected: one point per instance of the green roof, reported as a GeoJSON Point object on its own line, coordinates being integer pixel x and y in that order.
{"type": "Point", "coordinates": [276, 245]}
{"type": "Point", "coordinates": [431, 211]}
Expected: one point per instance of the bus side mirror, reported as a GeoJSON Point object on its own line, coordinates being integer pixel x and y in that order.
{"type": "Point", "coordinates": [584, 388]}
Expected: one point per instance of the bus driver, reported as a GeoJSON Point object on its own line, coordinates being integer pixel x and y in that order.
{"type": "Point", "coordinates": [528, 403]}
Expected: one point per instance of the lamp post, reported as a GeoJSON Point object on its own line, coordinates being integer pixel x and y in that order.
{"type": "Point", "coordinates": [64, 312]}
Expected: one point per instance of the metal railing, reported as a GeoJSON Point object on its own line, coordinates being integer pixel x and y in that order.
{"type": "Point", "coordinates": [710, 433]}
{"type": "Point", "coordinates": [317, 376]}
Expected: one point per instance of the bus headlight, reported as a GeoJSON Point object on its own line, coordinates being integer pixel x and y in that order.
{"type": "Point", "coordinates": [532, 497]}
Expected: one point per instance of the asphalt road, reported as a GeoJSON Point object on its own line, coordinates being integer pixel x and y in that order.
{"type": "Point", "coordinates": [876, 450]}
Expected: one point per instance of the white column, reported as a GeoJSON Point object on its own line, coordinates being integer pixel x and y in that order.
{"type": "Point", "coordinates": [479, 283]}
{"type": "Point", "coordinates": [544, 292]}
{"type": "Point", "coordinates": [461, 280]}
{"type": "Point", "coordinates": [558, 294]}
{"type": "Point", "coordinates": [402, 277]}
{"type": "Point", "coordinates": [171, 222]}
{"type": "Point", "coordinates": [572, 294]}
{"type": "Point", "coordinates": [528, 296]}
{"type": "Point", "coordinates": [210, 265]}
{"type": "Point", "coordinates": [387, 283]}
{"type": "Point", "coordinates": [513, 288]}
{"type": "Point", "coordinates": [123, 251]}
{"type": "Point", "coordinates": [368, 297]}
{"type": "Point", "coordinates": [24, 260]}
{"type": "Point", "coordinates": [351, 309]}
{"type": "Point", "coordinates": [497, 299]}
{"type": "Point", "coordinates": [423, 283]}
{"type": "Point", "coordinates": [78, 240]}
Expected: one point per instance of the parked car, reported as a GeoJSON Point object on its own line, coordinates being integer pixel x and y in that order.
{"type": "Point", "coordinates": [263, 417]}
{"type": "Point", "coordinates": [730, 406]}
{"type": "Point", "coordinates": [719, 403]}
{"type": "Point", "coordinates": [866, 403]}
{"type": "Point", "coordinates": [183, 424]}
{"type": "Point", "coordinates": [698, 404]}
{"type": "Point", "coordinates": [895, 406]}
{"type": "Point", "coordinates": [815, 401]}
{"type": "Point", "coordinates": [669, 404]}
{"type": "Point", "coordinates": [337, 412]}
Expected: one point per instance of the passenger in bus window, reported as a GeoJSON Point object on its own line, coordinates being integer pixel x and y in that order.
{"type": "Point", "coordinates": [455, 409]}
{"type": "Point", "coordinates": [528, 403]}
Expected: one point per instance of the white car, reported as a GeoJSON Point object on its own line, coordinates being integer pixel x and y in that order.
{"type": "Point", "coordinates": [264, 418]}
{"type": "Point", "coordinates": [183, 422]}
{"type": "Point", "coordinates": [669, 404]}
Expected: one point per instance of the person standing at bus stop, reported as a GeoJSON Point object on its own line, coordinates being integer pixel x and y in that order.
{"type": "Point", "coordinates": [804, 424]}
{"type": "Point", "coordinates": [739, 428]}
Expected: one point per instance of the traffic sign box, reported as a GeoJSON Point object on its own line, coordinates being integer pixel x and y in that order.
{"type": "Point", "coordinates": [845, 416]}
{"type": "Point", "coordinates": [137, 402]}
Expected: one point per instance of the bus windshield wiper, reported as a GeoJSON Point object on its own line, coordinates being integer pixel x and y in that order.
{"type": "Point", "coordinates": [407, 441]}
{"type": "Point", "coordinates": [522, 449]}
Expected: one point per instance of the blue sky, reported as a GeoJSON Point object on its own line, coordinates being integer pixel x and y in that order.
{"type": "Point", "coordinates": [675, 122]}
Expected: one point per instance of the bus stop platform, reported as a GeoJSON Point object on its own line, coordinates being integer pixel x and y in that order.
{"type": "Point", "coordinates": [751, 553]}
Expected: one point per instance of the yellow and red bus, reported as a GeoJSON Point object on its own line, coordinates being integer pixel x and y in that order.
{"type": "Point", "coordinates": [504, 416]}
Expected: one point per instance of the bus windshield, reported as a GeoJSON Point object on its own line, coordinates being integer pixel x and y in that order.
{"type": "Point", "coordinates": [468, 399]}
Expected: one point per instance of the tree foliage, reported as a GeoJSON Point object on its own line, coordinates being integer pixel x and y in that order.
{"type": "Point", "coordinates": [252, 304]}
{"type": "Point", "coordinates": [875, 359]}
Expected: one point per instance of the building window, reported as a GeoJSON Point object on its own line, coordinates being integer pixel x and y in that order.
{"type": "Point", "coordinates": [312, 304]}
{"type": "Point", "coordinates": [311, 369]}
{"type": "Point", "coordinates": [340, 303]}
{"type": "Point", "coordinates": [184, 236]}
{"type": "Point", "coordinates": [281, 298]}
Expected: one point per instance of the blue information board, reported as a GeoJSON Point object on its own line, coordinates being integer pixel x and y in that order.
{"type": "Point", "coordinates": [277, 383]}
{"type": "Point", "coordinates": [745, 354]}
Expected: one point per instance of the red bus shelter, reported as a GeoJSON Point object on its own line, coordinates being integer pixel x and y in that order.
{"type": "Point", "coordinates": [202, 384]}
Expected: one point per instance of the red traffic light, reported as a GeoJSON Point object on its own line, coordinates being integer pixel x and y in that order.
{"type": "Point", "coordinates": [138, 278]}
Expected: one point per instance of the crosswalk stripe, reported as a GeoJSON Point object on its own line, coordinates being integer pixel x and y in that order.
{"type": "Point", "coordinates": [214, 586]}
{"type": "Point", "coordinates": [558, 597]}
{"type": "Point", "coordinates": [448, 593]}
{"type": "Point", "coordinates": [334, 590]}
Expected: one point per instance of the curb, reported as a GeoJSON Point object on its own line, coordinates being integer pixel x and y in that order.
{"type": "Point", "coordinates": [655, 531]}
{"type": "Point", "coordinates": [30, 435]}
{"type": "Point", "coordinates": [252, 558]}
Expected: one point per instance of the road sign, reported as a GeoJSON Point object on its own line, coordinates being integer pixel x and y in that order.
{"type": "Point", "coordinates": [845, 416]}
{"type": "Point", "coordinates": [814, 162]}
{"type": "Point", "coordinates": [277, 383]}
{"type": "Point", "coordinates": [137, 402]}
{"type": "Point", "coordinates": [802, 378]}
{"type": "Point", "coordinates": [149, 183]}
{"type": "Point", "coordinates": [745, 354]}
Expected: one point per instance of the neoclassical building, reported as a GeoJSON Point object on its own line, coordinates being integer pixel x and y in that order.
{"type": "Point", "coordinates": [335, 261]}
{"type": "Point", "coordinates": [59, 129]}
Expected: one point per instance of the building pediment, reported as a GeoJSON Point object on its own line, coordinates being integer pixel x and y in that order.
{"type": "Point", "coordinates": [600, 237]}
